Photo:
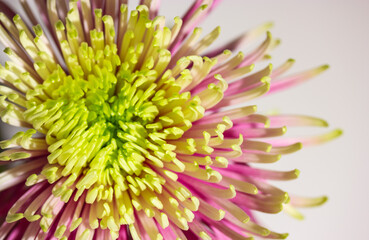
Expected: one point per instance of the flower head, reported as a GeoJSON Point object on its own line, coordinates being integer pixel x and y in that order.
{"type": "Point", "coordinates": [133, 132]}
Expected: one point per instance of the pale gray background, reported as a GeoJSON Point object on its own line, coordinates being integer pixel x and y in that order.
{"type": "Point", "coordinates": [315, 32]}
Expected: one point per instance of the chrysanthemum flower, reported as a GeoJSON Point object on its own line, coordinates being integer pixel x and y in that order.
{"type": "Point", "coordinates": [134, 131]}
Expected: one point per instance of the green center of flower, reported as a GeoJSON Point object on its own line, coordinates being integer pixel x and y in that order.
{"type": "Point", "coordinates": [98, 120]}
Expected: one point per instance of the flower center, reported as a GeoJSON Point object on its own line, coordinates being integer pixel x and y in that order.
{"type": "Point", "coordinates": [97, 120]}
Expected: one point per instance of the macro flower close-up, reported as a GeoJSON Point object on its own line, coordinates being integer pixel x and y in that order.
{"type": "Point", "coordinates": [132, 126]}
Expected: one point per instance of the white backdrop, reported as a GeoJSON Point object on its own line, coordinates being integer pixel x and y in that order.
{"type": "Point", "coordinates": [316, 32]}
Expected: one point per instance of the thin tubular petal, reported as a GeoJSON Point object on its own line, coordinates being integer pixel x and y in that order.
{"type": "Point", "coordinates": [288, 82]}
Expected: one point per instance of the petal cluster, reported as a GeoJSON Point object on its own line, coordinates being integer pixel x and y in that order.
{"type": "Point", "coordinates": [134, 131]}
